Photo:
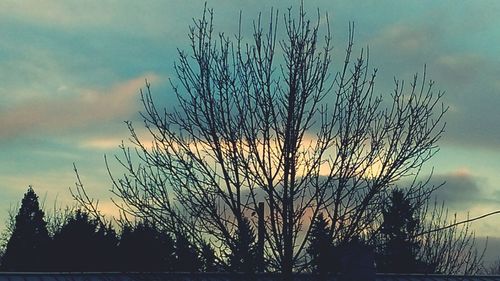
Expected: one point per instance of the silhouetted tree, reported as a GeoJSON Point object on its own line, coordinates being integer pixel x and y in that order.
{"type": "Point", "coordinates": [208, 258]}
{"type": "Point", "coordinates": [145, 248]}
{"type": "Point", "coordinates": [83, 244]}
{"type": "Point", "coordinates": [107, 247]}
{"type": "Point", "coordinates": [187, 258]}
{"type": "Point", "coordinates": [400, 246]}
{"type": "Point", "coordinates": [320, 248]}
{"type": "Point", "coordinates": [357, 261]}
{"type": "Point", "coordinates": [268, 118]}
{"type": "Point", "coordinates": [243, 256]}
{"type": "Point", "coordinates": [27, 247]}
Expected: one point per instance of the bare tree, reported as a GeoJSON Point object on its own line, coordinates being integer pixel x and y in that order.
{"type": "Point", "coordinates": [448, 246]}
{"type": "Point", "coordinates": [493, 268]}
{"type": "Point", "coordinates": [268, 119]}
{"type": "Point", "coordinates": [90, 205]}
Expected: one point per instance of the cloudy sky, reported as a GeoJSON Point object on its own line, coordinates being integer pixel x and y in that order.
{"type": "Point", "coordinates": [70, 74]}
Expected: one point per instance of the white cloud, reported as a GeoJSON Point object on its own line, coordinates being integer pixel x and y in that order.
{"type": "Point", "coordinates": [87, 108]}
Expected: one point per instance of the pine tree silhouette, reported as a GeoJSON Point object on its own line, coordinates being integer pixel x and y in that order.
{"type": "Point", "coordinates": [399, 249]}
{"type": "Point", "coordinates": [27, 247]}
{"type": "Point", "coordinates": [321, 248]}
{"type": "Point", "coordinates": [208, 258]}
{"type": "Point", "coordinates": [243, 257]}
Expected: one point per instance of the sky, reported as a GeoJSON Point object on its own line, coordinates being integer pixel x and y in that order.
{"type": "Point", "coordinates": [71, 71]}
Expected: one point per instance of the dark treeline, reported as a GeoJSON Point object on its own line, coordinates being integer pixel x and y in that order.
{"type": "Point", "coordinates": [82, 242]}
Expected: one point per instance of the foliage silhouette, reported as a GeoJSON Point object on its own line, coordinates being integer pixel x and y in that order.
{"type": "Point", "coordinates": [243, 257]}
{"type": "Point", "coordinates": [400, 246]}
{"type": "Point", "coordinates": [320, 248]}
{"type": "Point", "coordinates": [208, 258]}
{"type": "Point", "coordinates": [357, 261]}
{"type": "Point", "coordinates": [145, 248]}
{"type": "Point", "coordinates": [187, 258]}
{"type": "Point", "coordinates": [83, 244]}
{"type": "Point", "coordinates": [27, 248]}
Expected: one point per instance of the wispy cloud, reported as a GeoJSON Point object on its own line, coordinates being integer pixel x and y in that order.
{"type": "Point", "coordinates": [87, 108]}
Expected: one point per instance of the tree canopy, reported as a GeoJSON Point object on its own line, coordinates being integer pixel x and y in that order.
{"type": "Point", "coordinates": [271, 118]}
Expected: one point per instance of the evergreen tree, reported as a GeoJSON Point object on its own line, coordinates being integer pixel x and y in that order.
{"type": "Point", "coordinates": [187, 259]}
{"type": "Point", "coordinates": [107, 246]}
{"type": "Point", "coordinates": [399, 248]}
{"type": "Point", "coordinates": [208, 258]}
{"type": "Point", "coordinates": [27, 247]}
{"type": "Point", "coordinates": [145, 248]}
{"type": "Point", "coordinates": [356, 260]}
{"type": "Point", "coordinates": [243, 257]}
{"type": "Point", "coordinates": [84, 244]}
{"type": "Point", "coordinates": [320, 249]}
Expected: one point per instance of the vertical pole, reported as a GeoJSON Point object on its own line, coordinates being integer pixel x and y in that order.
{"type": "Point", "coordinates": [260, 237]}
